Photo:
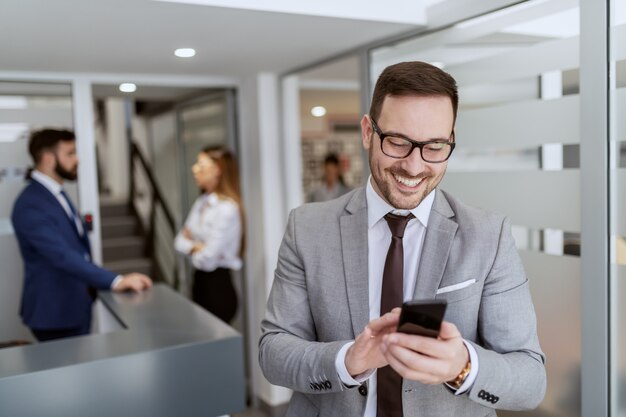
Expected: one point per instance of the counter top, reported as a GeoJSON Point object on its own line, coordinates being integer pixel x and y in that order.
{"type": "Point", "coordinates": [171, 354]}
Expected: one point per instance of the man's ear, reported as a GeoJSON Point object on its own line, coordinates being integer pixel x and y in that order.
{"type": "Point", "coordinates": [366, 131]}
{"type": "Point", "coordinates": [47, 159]}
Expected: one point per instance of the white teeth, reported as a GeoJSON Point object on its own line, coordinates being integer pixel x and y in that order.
{"type": "Point", "coordinates": [406, 181]}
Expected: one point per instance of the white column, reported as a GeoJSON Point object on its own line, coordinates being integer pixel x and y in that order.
{"type": "Point", "coordinates": [117, 156]}
{"type": "Point", "coordinates": [264, 197]}
{"type": "Point", "coordinates": [88, 201]}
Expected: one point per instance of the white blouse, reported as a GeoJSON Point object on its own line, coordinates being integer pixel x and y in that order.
{"type": "Point", "coordinates": [216, 223]}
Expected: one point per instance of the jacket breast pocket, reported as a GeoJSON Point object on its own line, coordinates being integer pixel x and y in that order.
{"type": "Point", "coordinates": [459, 291]}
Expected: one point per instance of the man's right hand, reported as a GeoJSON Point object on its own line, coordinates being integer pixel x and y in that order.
{"type": "Point", "coordinates": [134, 282]}
{"type": "Point", "coordinates": [365, 353]}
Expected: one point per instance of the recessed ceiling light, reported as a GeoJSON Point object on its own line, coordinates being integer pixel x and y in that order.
{"type": "Point", "coordinates": [185, 52]}
{"type": "Point", "coordinates": [438, 64]}
{"type": "Point", "coordinates": [318, 111]}
{"type": "Point", "coordinates": [128, 87]}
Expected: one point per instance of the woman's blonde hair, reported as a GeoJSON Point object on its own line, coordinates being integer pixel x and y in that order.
{"type": "Point", "coordinates": [228, 186]}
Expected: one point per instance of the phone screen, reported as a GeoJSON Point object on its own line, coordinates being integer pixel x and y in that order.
{"type": "Point", "coordinates": [422, 317]}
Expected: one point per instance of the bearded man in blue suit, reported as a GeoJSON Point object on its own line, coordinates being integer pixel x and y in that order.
{"type": "Point", "coordinates": [53, 241]}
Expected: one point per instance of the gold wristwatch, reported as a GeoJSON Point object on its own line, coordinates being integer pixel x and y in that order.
{"type": "Point", "coordinates": [460, 378]}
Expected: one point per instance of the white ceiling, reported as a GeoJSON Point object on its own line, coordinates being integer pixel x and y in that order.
{"type": "Point", "coordinates": [139, 37]}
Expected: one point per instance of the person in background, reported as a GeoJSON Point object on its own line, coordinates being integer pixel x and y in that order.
{"type": "Point", "coordinates": [346, 266]}
{"type": "Point", "coordinates": [213, 235]}
{"type": "Point", "coordinates": [334, 185]}
{"type": "Point", "coordinates": [55, 247]}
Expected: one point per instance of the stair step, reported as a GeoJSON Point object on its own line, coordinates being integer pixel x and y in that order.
{"type": "Point", "coordinates": [142, 265]}
{"type": "Point", "coordinates": [115, 209]}
{"type": "Point", "coordinates": [119, 248]}
{"type": "Point", "coordinates": [119, 226]}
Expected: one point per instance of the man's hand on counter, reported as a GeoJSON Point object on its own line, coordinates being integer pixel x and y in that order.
{"type": "Point", "coordinates": [134, 282]}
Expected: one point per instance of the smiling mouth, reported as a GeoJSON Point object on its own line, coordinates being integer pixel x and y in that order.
{"type": "Point", "coordinates": [408, 182]}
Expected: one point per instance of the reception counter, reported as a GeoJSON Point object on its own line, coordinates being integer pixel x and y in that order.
{"type": "Point", "coordinates": [168, 357]}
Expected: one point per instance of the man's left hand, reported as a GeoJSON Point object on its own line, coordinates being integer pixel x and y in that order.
{"type": "Point", "coordinates": [425, 359]}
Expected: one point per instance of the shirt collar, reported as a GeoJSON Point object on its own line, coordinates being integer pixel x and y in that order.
{"type": "Point", "coordinates": [211, 199]}
{"type": "Point", "coordinates": [377, 207]}
{"type": "Point", "coordinates": [54, 187]}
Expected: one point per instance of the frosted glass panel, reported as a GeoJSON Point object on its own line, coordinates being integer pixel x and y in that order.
{"type": "Point", "coordinates": [537, 199]}
{"type": "Point", "coordinates": [617, 198]}
{"type": "Point", "coordinates": [555, 283]}
{"type": "Point", "coordinates": [520, 124]}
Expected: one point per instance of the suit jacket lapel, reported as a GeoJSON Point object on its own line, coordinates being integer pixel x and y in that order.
{"type": "Point", "coordinates": [436, 249]}
{"type": "Point", "coordinates": [52, 200]}
{"type": "Point", "coordinates": [355, 265]}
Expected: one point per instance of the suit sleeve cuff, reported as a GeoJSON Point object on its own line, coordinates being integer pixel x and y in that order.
{"type": "Point", "coordinates": [344, 375]}
{"type": "Point", "coordinates": [116, 281]}
{"type": "Point", "coordinates": [471, 377]}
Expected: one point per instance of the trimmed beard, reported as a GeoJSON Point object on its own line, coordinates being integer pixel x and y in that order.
{"type": "Point", "coordinates": [63, 173]}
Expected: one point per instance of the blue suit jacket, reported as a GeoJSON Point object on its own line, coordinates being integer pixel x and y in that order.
{"type": "Point", "coordinates": [57, 269]}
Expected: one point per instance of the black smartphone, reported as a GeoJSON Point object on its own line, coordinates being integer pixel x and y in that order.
{"type": "Point", "coordinates": [422, 317]}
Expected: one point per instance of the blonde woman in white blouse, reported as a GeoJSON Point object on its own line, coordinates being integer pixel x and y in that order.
{"type": "Point", "coordinates": [213, 235]}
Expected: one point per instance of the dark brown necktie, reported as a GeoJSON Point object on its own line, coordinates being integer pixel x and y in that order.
{"type": "Point", "coordinates": [389, 386]}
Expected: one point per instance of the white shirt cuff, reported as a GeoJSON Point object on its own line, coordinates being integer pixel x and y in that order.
{"type": "Point", "coordinates": [342, 371]}
{"type": "Point", "coordinates": [116, 281]}
{"type": "Point", "coordinates": [183, 245]}
{"type": "Point", "coordinates": [471, 377]}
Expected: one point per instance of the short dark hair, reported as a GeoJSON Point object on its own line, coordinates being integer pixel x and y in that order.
{"type": "Point", "coordinates": [331, 158]}
{"type": "Point", "coordinates": [47, 140]}
{"type": "Point", "coordinates": [413, 79]}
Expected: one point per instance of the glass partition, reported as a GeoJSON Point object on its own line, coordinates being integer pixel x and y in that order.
{"type": "Point", "coordinates": [330, 112]}
{"type": "Point", "coordinates": [24, 107]}
{"type": "Point", "coordinates": [617, 196]}
{"type": "Point", "coordinates": [518, 154]}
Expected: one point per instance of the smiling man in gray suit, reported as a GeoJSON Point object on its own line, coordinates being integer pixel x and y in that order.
{"type": "Point", "coordinates": [345, 266]}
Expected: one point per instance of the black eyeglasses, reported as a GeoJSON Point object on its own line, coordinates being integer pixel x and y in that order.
{"type": "Point", "coordinates": [397, 146]}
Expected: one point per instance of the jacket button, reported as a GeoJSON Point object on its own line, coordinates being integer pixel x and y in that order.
{"type": "Point", "coordinates": [363, 390]}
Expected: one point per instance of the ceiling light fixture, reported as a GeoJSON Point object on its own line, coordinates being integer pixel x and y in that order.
{"type": "Point", "coordinates": [438, 64]}
{"type": "Point", "coordinates": [318, 111]}
{"type": "Point", "coordinates": [185, 52]}
{"type": "Point", "coordinates": [128, 88]}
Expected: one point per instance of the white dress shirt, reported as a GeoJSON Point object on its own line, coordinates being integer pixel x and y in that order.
{"type": "Point", "coordinates": [379, 239]}
{"type": "Point", "coordinates": [55, 188]}
{"type": "Point", "coordinates": [216, 223]}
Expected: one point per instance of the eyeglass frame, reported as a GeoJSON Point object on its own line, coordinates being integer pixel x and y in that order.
{"type": "Point", "coordinates": [414, 143]}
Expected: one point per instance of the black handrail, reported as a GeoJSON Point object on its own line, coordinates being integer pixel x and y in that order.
{"type": "Point", "coordinates": [157, 199]}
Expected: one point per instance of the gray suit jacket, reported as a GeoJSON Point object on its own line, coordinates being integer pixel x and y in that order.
{"type": "Point", "coordinates": [319, 302]}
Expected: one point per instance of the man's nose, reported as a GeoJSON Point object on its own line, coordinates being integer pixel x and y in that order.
{"type": "Point", "coordinates": [414, 164]}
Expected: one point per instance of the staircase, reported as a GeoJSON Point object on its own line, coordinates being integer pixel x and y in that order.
{"type": "Point", "coordinates": [123, 245]}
